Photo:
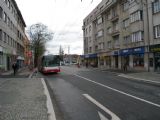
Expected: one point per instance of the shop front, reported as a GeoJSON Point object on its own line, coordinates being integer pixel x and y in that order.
{"type": "Point", "coordinates": [138, 58]}
{"type": "Point", "coordinates": [132, 58]}
{"type": "Point", "coordinates": [155, 49]}
{"type": "Point", "coordinates": [104, 60]}
{"type": "Point", "coordinates": [20, 61]}
{"type": "Point", "coordinates": [115, 62]}
{"type": "Point", "coordinates": [91, 60]}
{"type": "Point", "coordinates": [125, 57]}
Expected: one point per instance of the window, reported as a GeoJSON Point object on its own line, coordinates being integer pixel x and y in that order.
{"type": "Point", "coordinates": [11, 8]}
{"type": "Point", "coordinates": [99, 21]}
{"type": "Point", "coordinates": [109, 44]}
{"type": "Point", "coordinates": [8, 4]}
{"type": "Point", "coordinates": [116, 42]}
{"type": "Point", "coordinates": [115, 26]}
{"type": "Point", "coordinates": [86, 31]}
{"type": "Point", "coordinates": [96, 48]}
{"type": "Point", "coordinates": [5, 37]}
{"type": "Point", "coordinates": [90, 49]}
{"type": "Point", "coordinates": [114, 12]}
{"type": "Point", "coordinates": [5, 17]}
{"type": "Point", "coordinates": [125, 6]}
{"type": "Point", "coordinates": [1, 12]}
{"type": "Point", "coordinates": [157, 31]}
{"type": "Point", "coordinates": [156, 6]}
{"type": "Point", "coordinates": [0, 34]}
{"type": "Point", "coordinates": [108, 15]}
{"type": "Point", "coordinates": [126, 23]}
{"type": "Point", "coordinates": [136, 16]}
{"type": "Point", "coordinates": [8, 39]}
{"type": "Point", "coordinates": [8, 21]}
{"type": "Point", "coordinates": [109, 30]}
{"type": "Point", "coordinates": [89, 28]}
{"type": "Point", "coordinates": [137, 36]}
{"type": "Point", "coordinates": [100, 33]}
{"type": "Point", "coordinates": [127, 39]}
{"type": "Point", "coordinates": [101, 46]}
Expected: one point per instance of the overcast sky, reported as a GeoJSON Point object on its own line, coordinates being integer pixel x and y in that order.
{"type": "Point", "coordinates": [63, 17]}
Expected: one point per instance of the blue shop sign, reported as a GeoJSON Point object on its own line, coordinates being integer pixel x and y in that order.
{"type": "Point", "coordinates": [125, 52]}
{"type": "Point", "coordinates": [91, 56]}
{"type": "Point", "coordinates": [139, 50]}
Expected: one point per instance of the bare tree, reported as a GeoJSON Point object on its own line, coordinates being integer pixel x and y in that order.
{"type": "Point", "coordinates": [39, 34]}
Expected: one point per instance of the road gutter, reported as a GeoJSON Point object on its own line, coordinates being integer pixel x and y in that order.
{"type": "Point", "coordinates": [51, 113]}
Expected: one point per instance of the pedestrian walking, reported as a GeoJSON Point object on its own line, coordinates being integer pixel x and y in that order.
{"type": "Point", "coordinates": [125, 66]}
{"type": "Point", "coordinates": [15, 67]}
{"type": "Point", "coordinates": [86, 64]}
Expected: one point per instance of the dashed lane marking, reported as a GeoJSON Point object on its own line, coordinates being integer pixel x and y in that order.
{"type": "Point", "coordinates": [121, 92]}
{"type": "Point", "coordinates": [114, 116]}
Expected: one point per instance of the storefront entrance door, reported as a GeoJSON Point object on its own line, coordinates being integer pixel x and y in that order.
{"type": "Point", "coordinates": [157, 61]}
{"type": "Point", "coordinates": [116, 61]}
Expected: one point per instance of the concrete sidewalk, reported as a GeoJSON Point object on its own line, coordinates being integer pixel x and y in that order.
{"type": "Point", "coordinates": [22, 99]}
{"type": "Point", "coordinates": [21, 71]}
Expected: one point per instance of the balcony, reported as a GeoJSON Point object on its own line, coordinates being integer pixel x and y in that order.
{"type": "Point", "coordinates": [114, 18]}
{"type": "Point", "coordinates": [115, 32]}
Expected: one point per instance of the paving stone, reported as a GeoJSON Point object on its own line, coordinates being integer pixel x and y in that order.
{"type": "Point", "coordinates": [22, 99]}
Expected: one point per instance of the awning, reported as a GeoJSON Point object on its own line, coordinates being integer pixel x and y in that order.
{"type": "Point", "coordinates": [20, 58]}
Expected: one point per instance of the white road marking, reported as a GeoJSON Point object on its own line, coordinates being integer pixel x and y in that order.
{"type": "Point", "coordinates": [51, 112]}
{"type": "Point", "coordinates": [102, 117]}
{"type": "Point", "coordinates": [145, 80]}
{"type": "Point", "coordinates": [114, 116]}
{"type": "Point", "coordinates": [143, 100]}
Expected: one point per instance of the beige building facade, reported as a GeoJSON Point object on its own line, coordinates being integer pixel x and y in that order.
{"type": "Point", "coordinates": [12, 34]}
{"type": "Point", "coordinates": [120, 34]}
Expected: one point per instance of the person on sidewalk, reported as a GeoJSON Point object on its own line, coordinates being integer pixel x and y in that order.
{"type": "Point", "coordinates": [15, 68]}
{"type": "Point", "coordinates": [125, 67]}
{"type": "Point", "coordinates": [86, 64]}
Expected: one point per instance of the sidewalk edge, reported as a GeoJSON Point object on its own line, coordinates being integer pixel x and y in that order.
{"type": "Point", "coordinates": [50, 108]}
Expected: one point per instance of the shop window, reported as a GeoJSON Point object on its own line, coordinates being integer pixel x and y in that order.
{"type": "Point", "coordinates": [138, 60]}
{"type": "Point", "coordinates": [151, 62]}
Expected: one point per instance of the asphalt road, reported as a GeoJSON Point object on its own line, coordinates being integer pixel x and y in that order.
{"type": "Point", "coordinates": [82, 94]}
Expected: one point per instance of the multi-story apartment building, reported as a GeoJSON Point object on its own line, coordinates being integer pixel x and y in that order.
{"type": "Point", "coordinates": [12, 34]}
{"type": "Point", "coordinates": [120, 33]}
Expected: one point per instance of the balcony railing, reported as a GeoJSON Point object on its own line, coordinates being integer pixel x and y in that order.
{"type": "Point", "coordinates": [114, 18]}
